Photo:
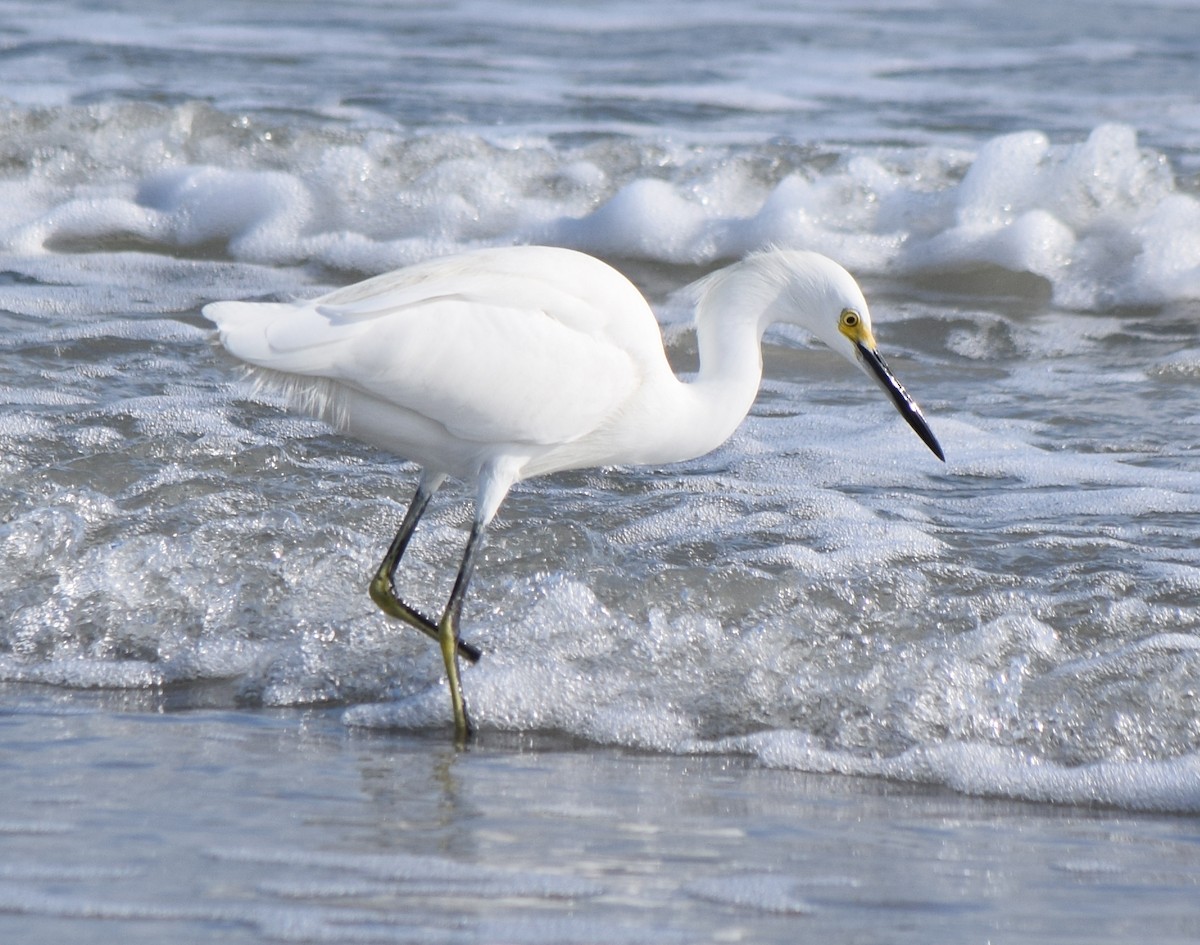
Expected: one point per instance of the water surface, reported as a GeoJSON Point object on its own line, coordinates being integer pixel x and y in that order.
{"type": "Point", "coordinates": [1016, 187]}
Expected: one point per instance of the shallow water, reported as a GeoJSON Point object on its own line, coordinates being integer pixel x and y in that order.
{"type": "Point", "coordinates": [1015, 185]}
{"type": "Point", "coordinates": [128, 824]}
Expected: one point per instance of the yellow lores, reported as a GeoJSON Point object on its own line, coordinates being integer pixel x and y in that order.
{"type": "Point", "coordinates": [852, 326]}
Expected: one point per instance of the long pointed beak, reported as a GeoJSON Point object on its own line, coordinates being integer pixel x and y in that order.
{"type": "Point", "coordinates": [873, 361]}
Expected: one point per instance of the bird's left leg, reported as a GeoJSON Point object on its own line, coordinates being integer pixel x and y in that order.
{"type": "Point", "coordinates": [383, 586]}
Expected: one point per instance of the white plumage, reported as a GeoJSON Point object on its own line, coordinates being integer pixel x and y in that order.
{"type": "Point", "coordinates": [500, 364]}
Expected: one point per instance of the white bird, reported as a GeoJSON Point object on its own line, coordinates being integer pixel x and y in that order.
{"type": "Point", "coordinates": [497, 365]}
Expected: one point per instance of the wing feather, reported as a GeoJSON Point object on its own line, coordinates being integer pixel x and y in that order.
{"type": "Point", "coordinates": [489, 373]}
{"type": "Point", "coordinates": [496, 346]}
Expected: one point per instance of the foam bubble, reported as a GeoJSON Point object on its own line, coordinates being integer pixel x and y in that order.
{"type": "Point", "coordinates": [256, 214]}
{"type": "Point", "coordinates": [992, 771]}
{"type": "Point", "coordinates": [646, 218]}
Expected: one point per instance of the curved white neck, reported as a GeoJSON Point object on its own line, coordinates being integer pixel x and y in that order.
{"type": "Point", "coordinates": [697, 415]}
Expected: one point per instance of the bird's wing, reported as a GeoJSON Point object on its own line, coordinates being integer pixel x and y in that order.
{"type": "Point", "coordinates": [522, 344]}
{"type": "Point", "coordinates": [490, 372]}
{"type": "Point", "coordinates": [487, 371]}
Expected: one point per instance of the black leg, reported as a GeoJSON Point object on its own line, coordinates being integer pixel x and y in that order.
{"type": "Point", "coordinates": [383, 588]}
{"type": "Point", "coordinates": [448, 631]}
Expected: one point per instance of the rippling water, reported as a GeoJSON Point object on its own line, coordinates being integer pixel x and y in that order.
{"type": "Point", "coordinates": [1015, 186]}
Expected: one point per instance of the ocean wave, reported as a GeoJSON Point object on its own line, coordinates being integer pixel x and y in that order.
{"type": "Point", "coordinates": [1091, 223]}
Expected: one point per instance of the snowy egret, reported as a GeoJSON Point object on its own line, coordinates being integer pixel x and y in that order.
{"type": "Point", "coordinates": [500, 364]}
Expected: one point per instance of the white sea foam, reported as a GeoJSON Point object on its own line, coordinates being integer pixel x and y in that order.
{"type": "Point", "coordinates": [797, 575]}
{"type": "Point", "coordinates": [1100, 221]}
{"type": "Point", "coordinates": [977, 768]}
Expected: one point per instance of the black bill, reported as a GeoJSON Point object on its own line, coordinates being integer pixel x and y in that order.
{"type": "Point", "coordinates": [906, 405]}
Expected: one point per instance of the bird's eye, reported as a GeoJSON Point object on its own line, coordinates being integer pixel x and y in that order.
{"type": "Point", "coordinates": [850, 318]}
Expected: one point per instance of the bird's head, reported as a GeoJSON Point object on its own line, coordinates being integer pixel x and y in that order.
{"type": "Point", "coordinates": [819, 295]}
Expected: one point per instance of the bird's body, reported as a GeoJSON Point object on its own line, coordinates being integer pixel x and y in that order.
{"type": "Point", "coordinates": [539, 358]}
{"type": "Point", "coordinates": [497, 365]}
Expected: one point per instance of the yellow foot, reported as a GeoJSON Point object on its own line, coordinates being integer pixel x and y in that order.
{"type": "Point", "coordinates": [447, 637]}
{"type": "Point", "coordinates": [386, 600]}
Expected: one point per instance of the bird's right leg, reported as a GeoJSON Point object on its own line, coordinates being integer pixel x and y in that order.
{"type": "Point", "coordinates": [449, 639]}
{"type": "Point", "coordinates": [383, 586]}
